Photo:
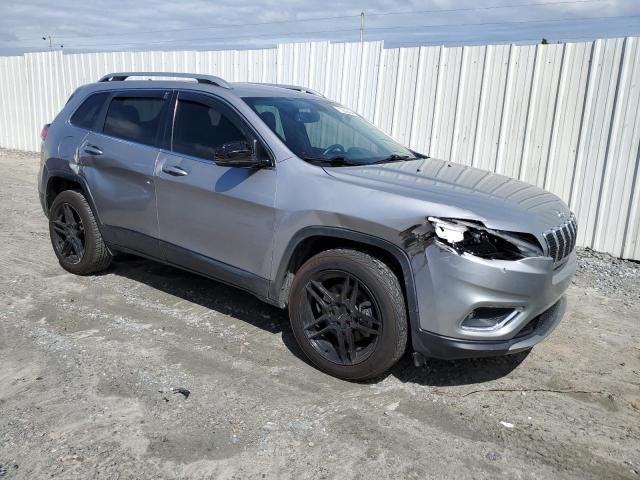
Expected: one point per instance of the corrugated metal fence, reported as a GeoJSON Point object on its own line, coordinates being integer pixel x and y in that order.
{"type": "Point", "coordinates": [565, 117]}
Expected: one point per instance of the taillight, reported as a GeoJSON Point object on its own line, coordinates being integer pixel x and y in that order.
{"type": "Point", "coordinates": [44, 132]}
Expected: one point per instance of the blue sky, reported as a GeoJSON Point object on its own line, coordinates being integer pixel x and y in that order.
{"type": "Point", "coordinates": [114, 25]}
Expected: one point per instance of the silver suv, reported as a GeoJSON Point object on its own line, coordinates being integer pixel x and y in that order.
{"type": "Point", "coordinates": [375, 249]}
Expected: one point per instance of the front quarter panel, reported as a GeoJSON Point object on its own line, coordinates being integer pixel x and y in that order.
{"type": "Point", "coordinates": [307, 196]}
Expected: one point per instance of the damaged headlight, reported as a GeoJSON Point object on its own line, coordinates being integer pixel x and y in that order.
{"type": "Point", "coordinates": [474, 239]}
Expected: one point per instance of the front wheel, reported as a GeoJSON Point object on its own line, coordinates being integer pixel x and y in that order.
{"type": "Point", "coordinates": [348, 314]}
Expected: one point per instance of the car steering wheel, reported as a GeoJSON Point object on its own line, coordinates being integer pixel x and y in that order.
{"type": "Point", "coordinates": [336, 147]}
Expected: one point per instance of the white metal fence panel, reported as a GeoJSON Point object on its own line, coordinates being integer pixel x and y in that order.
{"type": "Point", "coordinates": [16, 116]}
{"type": "Point", "coordinates": [490, 108]}
{"type": "Point", "coordinates": [594, 141]}
{"type": "Point", "coordinates": [386, 93]}
{"type": "Point", "coordinates": [568, 122]}
{"type": "Point", "coordinates": [563, 116]}
{"type": "Point", "coordinates": [621, 160]}
{"type": "Point", "coordinates": [446, 103]}
{"type": "Point", "coordinates": [468, 103]}
{"type": "Point", "coordinates": [515, 110]}
{"type": "Point", "coordinates": [425, 98]}
{"type": "Point", "coordinates": [541, 115]}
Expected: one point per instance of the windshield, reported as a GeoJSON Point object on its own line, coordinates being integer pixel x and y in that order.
{"type": "Point", "coordinates": [324, 132]}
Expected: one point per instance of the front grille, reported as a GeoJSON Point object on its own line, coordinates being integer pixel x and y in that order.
{"type": "Point", "coordinates": [562, 240]}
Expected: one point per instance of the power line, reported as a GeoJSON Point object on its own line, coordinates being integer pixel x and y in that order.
{"type": "Point", "coordinates": [338, 17]}
{"type": "Point", "coordinates": [505, 40]}
{"type": "Point", "coordinates": [492, 7]}
{"type": "Point", "coordinates": [403, 27]}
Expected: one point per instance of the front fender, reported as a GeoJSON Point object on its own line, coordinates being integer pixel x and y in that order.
{"type": "Point", "coordinates": [395, 251]}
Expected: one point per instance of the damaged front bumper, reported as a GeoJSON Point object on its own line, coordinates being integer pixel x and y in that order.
{"type": "Point", "coordinates": [453, 289]}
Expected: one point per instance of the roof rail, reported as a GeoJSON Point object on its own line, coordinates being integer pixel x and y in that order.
{"type": "Point", "coordinates": [208, 79]}
{"type": "Point", "coordinates": [296, 88]}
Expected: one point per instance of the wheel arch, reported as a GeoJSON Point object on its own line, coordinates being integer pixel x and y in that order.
{"type": "Point", "coordinates": [59, 181]}
{"type": "Point", "coordinates": [312, 240]}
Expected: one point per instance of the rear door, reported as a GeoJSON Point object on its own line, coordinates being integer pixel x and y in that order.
{"type": "Point", "coordinates": [118, 161]}
{"type": "Point", "coordinates": [213, 219]}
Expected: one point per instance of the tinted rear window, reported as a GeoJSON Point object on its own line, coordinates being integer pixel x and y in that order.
{"type": "Point", "coordinates": [134, 118]}
{"type": "Point", "coordinates": [86, 114]}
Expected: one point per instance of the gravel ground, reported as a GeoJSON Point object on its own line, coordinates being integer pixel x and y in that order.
{"type": "Point", "coordinates": [88, 365]}
{"type": "Point", "coordinates": [608, 275]}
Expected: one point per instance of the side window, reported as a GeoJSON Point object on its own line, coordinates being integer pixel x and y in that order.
{"type": "Point", "coordinates": [199, 129]}
{"type": "Point", "coordinates": [86, 114]}
{"type": "Point", "coordinates": [134, 118]}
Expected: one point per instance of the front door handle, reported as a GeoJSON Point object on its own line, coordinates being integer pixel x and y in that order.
{"type": "Point", "coordinates": [92, 150]}
{"type": "Point", "coordinates": [175, 171]}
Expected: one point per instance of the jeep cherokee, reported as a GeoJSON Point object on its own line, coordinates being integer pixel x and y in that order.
{"type": "Point", "coordinates": [375, 249]}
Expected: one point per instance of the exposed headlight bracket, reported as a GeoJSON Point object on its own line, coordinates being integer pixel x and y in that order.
{"type": "Point", "coordinates": [448, 231]}
{"type": "Point", "coordinates": [473, 238]}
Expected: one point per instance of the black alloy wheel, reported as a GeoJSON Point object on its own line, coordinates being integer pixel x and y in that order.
{"type": "Point", "coordinates": [344, 322]}
{"type": "Point", "coordinates": [348, 313]}
{"type": "Point", "coordinates": [75, 236]}
{"type": "Point", "coordinates": [68, 233]}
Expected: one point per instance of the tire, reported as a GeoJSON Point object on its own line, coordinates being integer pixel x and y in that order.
{"type": "Point", "coordinates": [70, 217]}
{"type": "Point", "coordinates": [338, 299]}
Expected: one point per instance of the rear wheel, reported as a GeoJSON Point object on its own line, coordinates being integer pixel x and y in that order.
{"type": "Point", "coordinates": [348, 314]}
{"type": "Point", "coordinates": [75, 236]}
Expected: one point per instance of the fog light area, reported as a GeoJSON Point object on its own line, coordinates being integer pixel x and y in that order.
{"type": "Point", "coordinates": [489, 318]}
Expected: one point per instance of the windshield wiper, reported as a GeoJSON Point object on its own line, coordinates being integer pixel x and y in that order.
{"type": "Point", "coordinates": [394, 157]}
{"type": "Point", "coordinates": [330, 161]}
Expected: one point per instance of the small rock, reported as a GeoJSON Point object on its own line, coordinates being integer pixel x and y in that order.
{"type": "Point", "coordinates": [311, 444]}
{"type": "Point", "coordinates": [506, 424]}
{"type": "Point", "coordinates": [493, 456]}
{"type": "Point", "coordinates": [181, 390]}
{"type": "Point", "coordinates": [392, 406]}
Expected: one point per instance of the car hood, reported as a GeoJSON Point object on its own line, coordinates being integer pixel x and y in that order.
{"type": "Point", "coordinates": [458, 191]}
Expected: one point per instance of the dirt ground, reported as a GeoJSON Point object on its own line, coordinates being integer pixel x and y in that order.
{"type": "Point", "coordinates": [87, 365]}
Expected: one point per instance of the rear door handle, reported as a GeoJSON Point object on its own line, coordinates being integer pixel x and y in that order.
{"type": "Point", "coordinates": [175, 171]}
{"type": "Point", "coordinates": [92, 150]}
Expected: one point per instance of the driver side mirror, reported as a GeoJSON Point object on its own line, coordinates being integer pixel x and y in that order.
{"type": "Point", "coordinates": [239, 154]}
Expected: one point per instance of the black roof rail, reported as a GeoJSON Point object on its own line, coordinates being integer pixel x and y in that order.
{"type": "Point", "coordinates": [297, 88]}
{"type": "Point", "coordinates": [208, 79]}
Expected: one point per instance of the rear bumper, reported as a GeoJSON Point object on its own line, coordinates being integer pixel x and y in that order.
{"type": "Point", "coordinates": [438, 346]}
{"type": "Point", "coordinates": [43, 178]}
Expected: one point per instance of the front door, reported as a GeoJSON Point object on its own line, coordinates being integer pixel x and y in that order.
{"type": "Point", "coordinates": [212, 219]}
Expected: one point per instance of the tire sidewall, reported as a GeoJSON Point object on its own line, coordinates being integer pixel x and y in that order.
{"type": "Point", "coordinates": [80, 205]}
{"type": "Point", "coordinates": [385, 352]}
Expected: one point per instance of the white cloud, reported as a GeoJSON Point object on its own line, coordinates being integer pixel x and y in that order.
{"type": "Point", "coordinates": [148, 24]}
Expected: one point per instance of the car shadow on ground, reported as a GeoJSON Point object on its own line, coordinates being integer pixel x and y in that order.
{"type": "Point", "coordinates": [247, 308]}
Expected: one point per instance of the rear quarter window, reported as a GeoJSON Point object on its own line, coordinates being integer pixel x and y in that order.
{"type": "Point", "coordinates": [86, 114]}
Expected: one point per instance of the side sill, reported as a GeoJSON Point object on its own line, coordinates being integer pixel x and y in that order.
{"type": "Point", "coordinates": [169, 254]}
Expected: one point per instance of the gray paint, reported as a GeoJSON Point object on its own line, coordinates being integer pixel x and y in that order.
{"type": "Point", "coordinates": [242, 221]}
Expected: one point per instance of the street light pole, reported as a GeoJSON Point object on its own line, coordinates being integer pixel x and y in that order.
{"type": "Point", "coordinates": [51, 42]}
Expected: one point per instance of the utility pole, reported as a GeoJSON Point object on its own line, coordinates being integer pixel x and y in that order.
{"type": "Point", "coordinates": [361, 27]}
{"type": "Point", "coordinates": [51, 42]}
